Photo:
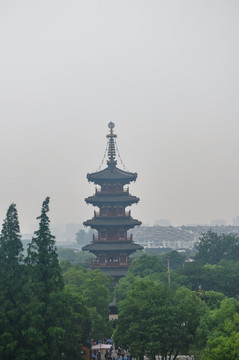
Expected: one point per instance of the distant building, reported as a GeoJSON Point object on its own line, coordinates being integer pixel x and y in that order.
{"type": "Point", "coordinates": [176, 238]}
{"type": "Point", "coordinates": [235, 221]}
{"type": "Point", "coordinates": [162, 222]}
{"type": "Point", "coordinates": [219, 222]}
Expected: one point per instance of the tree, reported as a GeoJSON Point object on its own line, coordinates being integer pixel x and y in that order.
{"type": "Point", "coordinates": [146, 265]}
{"type": "Point", "coordinates": [155, 320]}
{"type": "Point", "coordinates": [176, 259]}
{"type": "Point", "coordinates": [56, 321]}
{"type": "Point", "coordinates": [12, 284]}
{"type": "Point", "coordinates": [223, 278]}
{"type": "Point", "coordinates": [80, 257]}
{"type": "Point", "coordinates": [38, 319]}
{"type": "Point", "coordinates": [189, 309]}
{"type": "Point", "coordinates": [95, 287]}
{"type": "Point", "coordinates": [214, 247]}
{"type": "Point", "coordinates": [218, 330]}
{"type": "Point", "coordinates": [124, 286]}
{"type": "Point", "coordinates": [222, 348]}
{"type": "Point", "coordinates": [212, 298]}
{"type": "Point", "coordinates": [43, 259]}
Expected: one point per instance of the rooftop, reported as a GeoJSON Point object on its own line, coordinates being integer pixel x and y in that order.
{"type": "Point", "coordinates": [124, 221]}
{"type": "Point", "coordinates": [113, 246]}
{"type": "Point", "coordinates": [111, 173]}
{"type": "Point", "coordinates": [112, 198]}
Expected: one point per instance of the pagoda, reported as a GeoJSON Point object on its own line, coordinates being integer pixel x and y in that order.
{"type": "Point", "coordinates": [112, 245]}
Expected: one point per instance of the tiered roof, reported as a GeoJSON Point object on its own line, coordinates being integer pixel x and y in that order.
{"type": "Point", "coordinates": [102, 221]}
{"type": "Point", "coordinates": [112, 173]}
{"type": "Point", "coordinates": [100, 199]}
{"type": "Point", "coordinates": [113, 197]}
{"type": "Point", "coordinates": [112, 246]}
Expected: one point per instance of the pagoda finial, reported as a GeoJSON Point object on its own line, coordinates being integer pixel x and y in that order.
{"type": "Point", "coordinates": [111, 149]}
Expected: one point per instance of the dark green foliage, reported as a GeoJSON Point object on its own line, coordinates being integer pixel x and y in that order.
{"type": "Point", "coordinates": [214, 247]}
{"type": "Point", "coordinates": [42, 257]}
{"type": "Point", "coordinates": [213, 299]}
{"type": "Point", "coordinates": [222, 278]}
{"type": "Point", "coordinates": [176, 259]}
{"type": "Point", "coordinates": [179, 306]}
{"type": "Point", "coordinates": [218, 332]}
{"type": "Point", "coordinates": [39, 320]}
{"type": "Point", "coordinates": [10, 240]}
{"type": "Point", "coordinates": [11, 285]}
{"type": "Point", "coordinates": [94, 286]}
{"type": "Point", "coordinates": [124, 286]}
{"type": "Point", "coordinates": [75, 257]}
{"type": "Point", "coordinates": [58, 327]}
{"type": "Point", "coordinates": [65, 265]}
{"type": "Point", "coordinates": [57, 322]}
{"type": "Point", "coordinates": [155, 320]}
{"type": "Point", "coordinates": [146, 265]}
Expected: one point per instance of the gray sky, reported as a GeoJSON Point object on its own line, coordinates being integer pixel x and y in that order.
{"type": "Point", "coordinates": [166, 72]}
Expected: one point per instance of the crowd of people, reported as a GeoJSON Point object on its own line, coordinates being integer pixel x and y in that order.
{"type": "Point", "coordinates": [110, 354]}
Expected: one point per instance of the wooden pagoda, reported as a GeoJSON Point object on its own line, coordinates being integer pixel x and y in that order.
{"type": "Point", "coordinates": [112, 246]}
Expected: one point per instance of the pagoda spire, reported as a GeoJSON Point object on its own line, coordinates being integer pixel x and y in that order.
{"type": "Point", "coordinates": [111, 147]}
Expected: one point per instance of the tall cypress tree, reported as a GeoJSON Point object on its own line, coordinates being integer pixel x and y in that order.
{"type": "Point", "coordinates": [43, 258]}
{"type": "Point", "coordinates": [11, 284]}
{"type": "Point", "coordinates": [56, 320]}
{"type": "Point", "coordinates": [10, 240]}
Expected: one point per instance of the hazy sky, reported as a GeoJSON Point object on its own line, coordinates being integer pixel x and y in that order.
{"type": "Point", "coordinates": [166, 72]}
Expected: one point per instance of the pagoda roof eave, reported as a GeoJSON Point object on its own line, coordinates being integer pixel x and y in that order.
{"type": "Point", "coordinates": [112, 173]}
{"type": "Point", "coordinates": [111, 198]}
{"type": "Point", "coordinates": [114, 222]}
{"type": "Point", "coordinates": [100, 246]}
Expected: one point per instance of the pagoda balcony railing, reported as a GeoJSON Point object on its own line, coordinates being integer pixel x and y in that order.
{"type": "Point", "coordinates": [108, 191]}
{"type": "Point", "coordinates": [115, 238]}
{"type": "Point", "coordinates": [124, 214]}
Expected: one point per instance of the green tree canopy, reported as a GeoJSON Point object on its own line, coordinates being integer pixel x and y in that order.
{"type": "Point", "coordinates": [56, 321]}
{"type": "Point", "coordinates": [95, 287]}
{"type": "Point", "coordinates": [223, 278]}
{"type": "Point", "coordinates": [176, 259]}
{"type": "Point", "coordinates": [12, 284]}
{"type": "Point", "coordinates": [159, 321]}
{"type": "Point", "coordinates": [146, 265]}
{"type": "Point", "coordinates": [214, 247]}
{"type": "Point", "coordinates": [75, 257]}
{"type": "Point", "coordinates": [43, 259]}
{"type": "Point", "coordinates": [219, 330]}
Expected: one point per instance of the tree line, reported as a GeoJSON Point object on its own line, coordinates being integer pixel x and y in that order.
{"type": "Point", "coordinates": [48, 310]}
{"type": "Point", "coordinates": [197, 313]}
{"type": "Point", "coordinates": [41, 318]}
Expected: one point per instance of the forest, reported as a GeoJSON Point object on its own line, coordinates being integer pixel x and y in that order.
{"type": "Point", "coordinates": [167, 305]}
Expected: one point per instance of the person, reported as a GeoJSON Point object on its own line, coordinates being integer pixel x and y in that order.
{"type": "Point", "coordinates": [93, 356]}
{"type": "Point", "coordinates": [98, 356]}
{"type": "Point", "coordinates": [119, 351]}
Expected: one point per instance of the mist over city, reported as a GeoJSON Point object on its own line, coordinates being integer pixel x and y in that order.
{"type": "Point", "coordinates": [165, 73]}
